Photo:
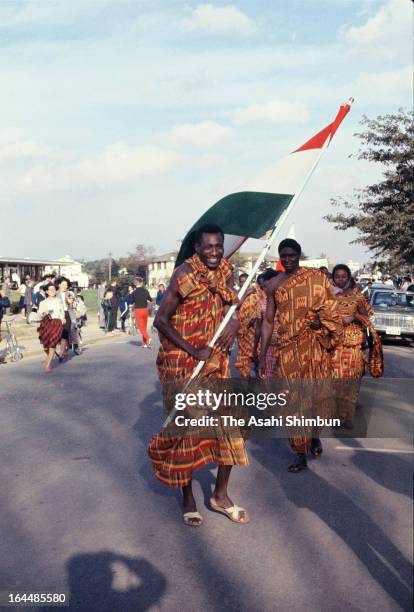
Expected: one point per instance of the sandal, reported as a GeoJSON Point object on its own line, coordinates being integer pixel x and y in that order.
{"type": "Point", "coordinates": [232, 512]}
{"type": "Point", "coordinates": [190, 516]}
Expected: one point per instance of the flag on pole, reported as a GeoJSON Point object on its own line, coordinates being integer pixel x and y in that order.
{"type": "Point", "coordinates": [253, 211]}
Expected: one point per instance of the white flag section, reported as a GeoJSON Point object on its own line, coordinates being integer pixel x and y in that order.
{"type": "Point", "coordinates": [285, 176]}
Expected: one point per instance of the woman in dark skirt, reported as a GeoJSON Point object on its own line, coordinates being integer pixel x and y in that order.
{"type": "Point", "coordinates": [51, 326]}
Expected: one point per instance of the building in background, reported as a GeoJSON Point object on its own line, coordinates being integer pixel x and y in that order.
{"type": "Point", "coordinates": [19, 268]}
{"type": "Point", "coordinates": [160, 268]}
{"type": "Point", "coordinates": [316, 262]}
{"type": "Point", "coordinates": [72, 269]}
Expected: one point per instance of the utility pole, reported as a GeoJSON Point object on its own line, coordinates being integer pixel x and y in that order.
{"type": "Point", "coordinates": [109, 267]}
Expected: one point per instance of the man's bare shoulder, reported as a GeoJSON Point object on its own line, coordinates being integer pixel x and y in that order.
{"type": "Point", "coordinates": [179, 273]}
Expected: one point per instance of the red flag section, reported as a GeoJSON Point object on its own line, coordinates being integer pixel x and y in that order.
{"type": "Point", "coordinates": [317, 141]}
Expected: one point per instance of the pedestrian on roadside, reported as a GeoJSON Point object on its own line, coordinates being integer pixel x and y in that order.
{"type": "Point", "coordinates": [367, 291]}
{"type": "Point", "coordinates": [142, 301]}
{"type": "Point", "coordinates": [160, 296]}
{"type": "Point", "coordinates": [51, 327]}
{"type": "Point", "coordinates": [158, 299]}
{"type": "Point", "coordinates": [107, 305]}
{"type": "Point", "coordinates": [38, 297]}
{"type": "Point", "coordinates": [28, 299]}
{"type": "Point", "coordinates": [15, 280]}
{"type": "Point", "coordinates": [115, 299]}
{"type": "Point", "coordinates": [7, 287]}
{"type": "Point", "coordinates": [4, 302]}
{"type": "Point", "coordinates": [101, 294]}
{"type": "Point", "coordinates": [46, 278]}
{"type": "Point", "coordinates": [124, 304]}
{"type": "Point", "coordinates": [62, 286]}
{"type": "Point", "coordinates": [75, 309]}
{"type": "Point", "coordinates": [21, 305]}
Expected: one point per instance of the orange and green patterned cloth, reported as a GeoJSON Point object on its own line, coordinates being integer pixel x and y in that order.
{"type": "Point", "coordinates": [300, 352]}
{"type": "Point", "coordinates": [204, 294]}
{"type": "Point", "coordinates": [247, 314]}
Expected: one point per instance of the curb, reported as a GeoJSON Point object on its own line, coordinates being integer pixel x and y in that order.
{"type": "Point", "coordinates": [35, 353]}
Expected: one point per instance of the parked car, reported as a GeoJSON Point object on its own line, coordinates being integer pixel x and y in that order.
{"type": "Point", "coordinates": [393, 312]}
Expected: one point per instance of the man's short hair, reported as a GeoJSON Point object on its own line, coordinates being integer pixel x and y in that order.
{"type": "Point", "coordinates": [290, 244]}
{"type": "Point", "coordinates": [207, 228]}
{"type": "Point", "coordinates": [139, 279]}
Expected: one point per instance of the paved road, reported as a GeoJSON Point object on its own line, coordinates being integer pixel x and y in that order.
{"type": "Point", "coordinates": [81, 510]}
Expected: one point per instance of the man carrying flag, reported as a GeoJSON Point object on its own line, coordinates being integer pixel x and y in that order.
{"type": "Point", "coordinates": [195, 303]}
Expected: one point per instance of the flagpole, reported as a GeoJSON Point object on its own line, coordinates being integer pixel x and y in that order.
{"type": "Point", "coordinates": [269, 242]}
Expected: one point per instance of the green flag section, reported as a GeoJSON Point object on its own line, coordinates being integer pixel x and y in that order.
{"type": "Point", "coordinates": [247, 213]}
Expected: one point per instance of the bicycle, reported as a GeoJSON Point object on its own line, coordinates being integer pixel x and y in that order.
{"type": "Point", "coordinates": [130, 324]}
{"type": "Point", "coordinates": [13, 350]}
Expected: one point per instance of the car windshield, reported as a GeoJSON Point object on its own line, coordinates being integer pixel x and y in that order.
{"type": "Point", "coordinates": [390, 299]}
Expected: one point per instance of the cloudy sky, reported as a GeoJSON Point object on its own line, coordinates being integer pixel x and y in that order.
{"type": "Point", "coordinates": [123, 120]}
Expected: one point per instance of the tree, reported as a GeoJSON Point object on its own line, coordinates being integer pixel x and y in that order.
{"type": "Point", "coordinates": [98, 269]}
{"type": "Point", "coordinates": [137, 262]}
{"type": "Point", "coordinates": [383, 213]}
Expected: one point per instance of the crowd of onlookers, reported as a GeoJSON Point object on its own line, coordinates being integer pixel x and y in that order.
{"type": "Point", "coordinates": [57, 308]}
{"type": "Point", "coordinates": [402, 283]}
{"type": "Point", "coordinates": [135, 302]}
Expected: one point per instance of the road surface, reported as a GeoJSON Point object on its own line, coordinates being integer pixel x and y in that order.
{"type": "Point", "coordinates": [81, 510]}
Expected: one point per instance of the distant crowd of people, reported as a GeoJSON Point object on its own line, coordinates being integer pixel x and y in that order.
{"type": "Point", "coordinates": [136, 302]}
{"type": "Point", "coordinates": [57, 308]}
{"type": "Point", "coordinates": [402, 283]}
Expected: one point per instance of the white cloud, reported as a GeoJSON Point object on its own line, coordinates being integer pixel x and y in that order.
{"type": "Point", "coordinates": [115, 165]}
{"type": "Point", "coordinates": [201, 135]}
{"type": "Point", "coordinates": [210, 18]}
{"type": "Point", "coordinates": [14, 146]}
{"type": "Point", "coordinates": [388, 85]}
{"type": "Point", "coordinates": [385, 36]}
{"type": "Point", "coordinates": [210, 160]}
{"type": "Point", "coordinates": [277, 111]}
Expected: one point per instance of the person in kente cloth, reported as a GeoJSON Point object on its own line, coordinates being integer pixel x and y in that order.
{"type": "Point", "coordinates": [194, 305]}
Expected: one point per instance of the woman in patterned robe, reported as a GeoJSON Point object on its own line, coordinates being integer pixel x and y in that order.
{"type": "Point", "coordinates": [348, 358]}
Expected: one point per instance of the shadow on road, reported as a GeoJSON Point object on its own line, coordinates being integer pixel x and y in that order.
{"type": "Point", "coordinates": [386, 564]}
{"type": "Point", "coordinates": [384, 468]}
{"type": "Point", "coordinates": [108, 582]}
